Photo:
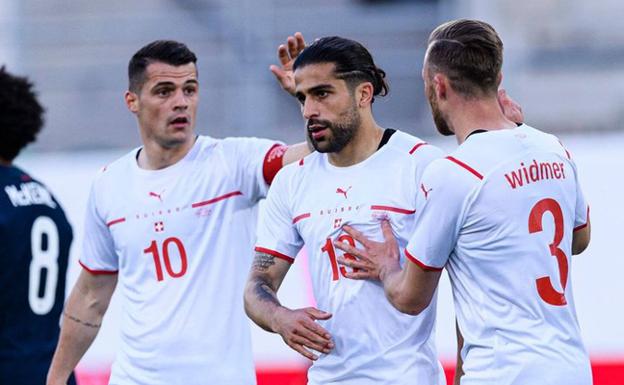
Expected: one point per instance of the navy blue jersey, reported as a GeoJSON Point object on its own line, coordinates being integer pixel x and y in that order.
{"type": "Point", "coordinates": [34, 248]}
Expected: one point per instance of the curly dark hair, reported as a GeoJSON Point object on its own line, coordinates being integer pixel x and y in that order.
{"type": "Point", "coordinates": [21, 115]}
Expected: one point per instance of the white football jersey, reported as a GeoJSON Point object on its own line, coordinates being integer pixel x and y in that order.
{"type": "Point", "coordinates": [180, 239]}
{"type": "Point", "coordinates": [499, 215]}
{"type": "Point", "coordinates": [308, 203]}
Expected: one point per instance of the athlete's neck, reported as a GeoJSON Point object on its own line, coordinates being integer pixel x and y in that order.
{"type": "Point", "coordinates": [481, 114]}
{"type": "Point", "coordinates": [153, 156]}
{"type": "Point", "coordinates": [363, 145]}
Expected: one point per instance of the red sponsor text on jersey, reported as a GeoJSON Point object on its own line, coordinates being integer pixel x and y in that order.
{"type": "Point", "coordinates": [535, 172]}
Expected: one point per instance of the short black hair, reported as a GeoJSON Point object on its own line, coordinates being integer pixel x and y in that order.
{"type": "Point", "coordinates": [21, 115]}
{"type": "Point", "coordinates": [354, 63]}
{"type": "Point", "coordinates": [164, 51]}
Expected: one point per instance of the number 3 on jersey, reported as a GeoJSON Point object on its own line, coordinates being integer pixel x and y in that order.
{"type": "Point", "coordinates": [154, 250]}
{"type": "Point", "coordinates": [331, 252]}
{"type": "Point", "coordinates": [545, 288]}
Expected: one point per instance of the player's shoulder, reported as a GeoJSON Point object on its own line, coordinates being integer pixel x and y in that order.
{"type": "Point", "coordinates": [547, 141]}
{"type": "Point", "coordinates": [20, 190]}
{"type": "Point", "coordinates": [242, 143]}
{"type": "Point", "coordinates": [454, 169]}
{"type": "Point", "coordinates": [13, 174]}
{"type": "Point", "coordinates": [450, 179]}
{"type": "Point", "coordinates": [118, 168]}
{"type": "Point", "coordinates": [412, 146]}
{"type": "Point", "coordinates": [304, 166]}
{"type": "Point", "coordinates": [234, 149]}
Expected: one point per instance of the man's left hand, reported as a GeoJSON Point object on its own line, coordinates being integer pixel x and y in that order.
{"type": "Point", "coordinates": [376, 259]}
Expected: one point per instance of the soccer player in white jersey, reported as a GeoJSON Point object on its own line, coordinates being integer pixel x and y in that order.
{"type": "Point", "coordinates": [503, 213]}
{"type": "Point", "coordinates": [360, 174]}
{"type": "Point", "coordinates": [170, 223]}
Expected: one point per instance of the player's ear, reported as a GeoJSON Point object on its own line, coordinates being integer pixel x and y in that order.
{"type": "Point", "coordinates": [440, 85]}
{"type": "Point", "coordinates": [499, 79]}
{"type": "Point", "coordinates": [132, 101]}
{"type": "Point", "coordinates": [364, 94]}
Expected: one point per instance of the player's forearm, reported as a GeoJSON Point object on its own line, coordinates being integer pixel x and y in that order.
{"type": "Point", "coordinates": [261, 303]}
{"type": "Point", "coordinates": [265, 278]}
{"type": "Point", "coordinates": [296, 151]}
{"type": "Point", "coordinates": [82, 318]}
{"type": "Point", "coordinates": [73, 343]}
{"type": "Point", "coordinates": [80, 327]}
{"type": "Point", "coordinates": [405, 293]}
{"type": "Point", "coordinates": [580, 239]}
{"type": "Point", "coordinates": [392, 277]}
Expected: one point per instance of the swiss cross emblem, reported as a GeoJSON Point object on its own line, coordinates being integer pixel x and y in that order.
{"type": "Point", "coordinates": [337, 223]}
{"type": "Point", "coordinates": [159, 227]}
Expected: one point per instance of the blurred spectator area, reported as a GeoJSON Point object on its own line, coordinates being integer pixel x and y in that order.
{"type": "Point", "coordinates": [564, 59]}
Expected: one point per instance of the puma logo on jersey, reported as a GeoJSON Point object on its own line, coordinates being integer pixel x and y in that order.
{"type": "Point", "coordinates": [424, 190]}
{"type": "Point", "coordinates": [158, 196]}
{"type": "Point", "coordinates": [343, 192]}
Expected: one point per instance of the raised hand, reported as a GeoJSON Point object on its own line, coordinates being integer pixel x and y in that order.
{"type": "Point", "coordinates": [287, 54]}
{"type": "Point", "coordinates": [300, 331]}
{"type": "Point", "coordinates": [375, 259]}
{"type": "Point", "coordinates": [511, 109]}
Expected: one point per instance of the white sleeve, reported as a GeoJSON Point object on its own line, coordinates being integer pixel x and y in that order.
{"type": "Point", "coordinates": [277, 234]}
{"type": "Point", "coordinates": [425, 156]}
{"type": "Point", "coordinates": [247, 156]}
{"type": "Point", "coordinates": [581, 216]}
{"type": "Point", "coordinates": [98, 249]}
{"type": "Point", "coordinates": [441, 199]}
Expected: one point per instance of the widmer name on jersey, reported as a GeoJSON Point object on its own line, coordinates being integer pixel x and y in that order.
{"type": "Point", "coordinates": [30, 193]}
{"type": "Point", "coordinates": [535, 172]}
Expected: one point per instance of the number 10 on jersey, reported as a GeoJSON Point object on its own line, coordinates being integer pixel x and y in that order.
{"type": "Point", "coordinates": [156, 255]}
{"type": "Point", "coordinates": [331, 252]}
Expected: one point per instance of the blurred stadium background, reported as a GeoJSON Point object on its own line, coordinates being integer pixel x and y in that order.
{"type": "Point", "coordinates": [564, 63]}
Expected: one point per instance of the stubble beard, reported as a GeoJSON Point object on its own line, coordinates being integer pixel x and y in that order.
{"type": "Point", "coordinates": [438, 118]}
{"type": "Point", "coordinates": [342, 132]}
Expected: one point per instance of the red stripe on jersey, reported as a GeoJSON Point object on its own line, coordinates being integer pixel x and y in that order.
{"type": "Point", "coordinates": [273, 162]}
{"type": "Point", "coordinates": [464, 165]}
{"type": "Point", "coordinates": [300, 217]}
{"type": "Point", "coordinates": [275, 254]}
{"type": "Point", "coordinates": [422, 265]}
{"type": "Point", "coordinates": [217, 199]}
{"type": "Point", "coordinates": [97, 272]}
{"type": "Point", "coordinates": [115, 221]}
{"type": "Point", "coordinates": [301, 162]}
{"type": "Point", "coordinates": [393, 209]}
{"type": "Point", "coordinates": [416, 147]}
{"type": "Point", "coordinates": [584, 225]}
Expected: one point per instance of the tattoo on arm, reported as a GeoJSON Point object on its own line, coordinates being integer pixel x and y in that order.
{"type": "Point", "coordinates": [263, 261]}
{"type": "Point", "coordinates": [263, 289]}
{"type": "Point", "coordinates": [75, 319]}
{"type": "Point", "coordinates": [264, 292]}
